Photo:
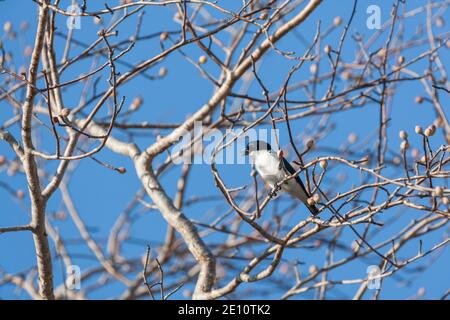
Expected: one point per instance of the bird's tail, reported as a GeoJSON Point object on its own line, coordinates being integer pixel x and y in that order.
{"type": "Point", "coordinates": [313, 209]}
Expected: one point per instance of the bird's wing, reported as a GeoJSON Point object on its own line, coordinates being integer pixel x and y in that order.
{"type": "Point", "coordinates": [292, 171]}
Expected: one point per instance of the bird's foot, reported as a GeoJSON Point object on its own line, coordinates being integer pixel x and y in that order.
{"type": "Point", "coordinates": [273, 192]}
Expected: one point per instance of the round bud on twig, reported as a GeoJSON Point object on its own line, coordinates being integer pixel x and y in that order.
{"type": "Point", "coordinates": [187, 293]}
{"type": "Point", "coordinates": [202, 59]}
{"type": "Point", "coordinates": [438, 122]}
{"type": "Point", "coordinates": [445, 200]}
{"type": "Point", "coordinates": [121, 170]}
{"type": "Point", "coordinates": [418, 130]}
{"type": "Point", "coordinates": [136, 104]}
{"type": "Point", "coordinates": [97, 20]}
{"type": "Point", "coordinates": [162, 72]}
{"type": "Point", "coordinates": [381, 52]}
{"type": "Point", "coordinates": [163, 36]}
{"type": "Point", "coordinates": [313, 68]}
{"type": "Point", "coordinates": [355, 246]}
{"type": "Point", "coordinates": [352, 138]}
{"type": "Point", "coordinates": [316, 198]}
{"type": "Point", "coordinates": [323, 164]}
{"type": "Point", "coordinates": [327, 49]}
{"type": "Point", "coordinates": [284, 268]}
{"type": "Point", "coordinates": [263, 15]}
{"type": "Point", "coordinates": [20, 194]}
{"type": "Point", "coordinates": [312, 269]}
{"type": "Point", "coordinates": [311, 201]}
{"type": "Point", "coordinates": [7, 27]}
{"type": "Point", "coordinates": [24, 25]}
{"type": "Point", "coordinates": [310, 143]}
{"type": "Point", "coordinates": [430, 131]}
{"type": "Point", "coordinates": [397, 160]}
{"type": "Point", "coordinates": [28, 51]}
{"type": "Point", "coordinates": [401, 59]}
{"type": "Point", "coordinates": [65, 112]}
{"type": "Point", "coordinates": [439, 21]}
{"type": "Point", "coordinates": [419, 100]}
{"type": "Point", "coordinates": [423, 159]}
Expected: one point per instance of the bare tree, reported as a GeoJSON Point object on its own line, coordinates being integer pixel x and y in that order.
{"type": "Point", "coordinates": [384, 196]}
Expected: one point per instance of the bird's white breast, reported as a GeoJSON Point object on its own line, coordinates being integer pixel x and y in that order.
{"type": "Point", "coordinates": [268, 166]}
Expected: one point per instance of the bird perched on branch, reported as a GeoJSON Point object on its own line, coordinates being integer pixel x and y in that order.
{"type": "Point", "coordinates": [274, 168]}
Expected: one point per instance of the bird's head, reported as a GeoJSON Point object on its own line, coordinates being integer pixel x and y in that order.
{"type": "Point", "coordinates": [256, 145]}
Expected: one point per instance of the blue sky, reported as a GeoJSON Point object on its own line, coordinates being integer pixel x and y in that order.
{"type": "Point", "coordinates": [101, 195]}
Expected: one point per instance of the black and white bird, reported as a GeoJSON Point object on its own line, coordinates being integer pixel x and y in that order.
{"type": "Point", "coordinates": [274, 169]}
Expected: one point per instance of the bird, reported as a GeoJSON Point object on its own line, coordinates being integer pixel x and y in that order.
{"type": "Point", "coordinates": [274, 168]}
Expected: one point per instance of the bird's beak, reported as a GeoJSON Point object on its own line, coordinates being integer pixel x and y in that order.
{"type": "Point", "coordinates": [244, 152]}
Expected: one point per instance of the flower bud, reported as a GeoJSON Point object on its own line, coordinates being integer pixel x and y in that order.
{"type": "Point", "coordinates": [311, 201]}
{"type": "Point", "coordinates": [202, 59]}
{"type": "Point", "coordinates": [419, 100]}
{"type": "Point", "coordinates": [136, 104]}
{"type": "Point", "coordinates": [312, 269]}
{"type": "Point", "coordinates": [20, 194]}
{"type": "Point", "coordinates": [163, 36]}
{"type": "Point", "coordinates": [162, 72]}
{"type": "Point", "coordinates": [439, 21]}
{"type": "Point", "coordinates": [337, 21]}
{"type": "Point", "coordinates": [7, 27]}
{"type": "Point", "coordinates": [316, 198]}
{"type": "Point", "coordinates": [403, 135]}
{"type": "Point", "coordinates": [352, 138]}
{"type": "Point", "coordinates": [65, 112]}
{"type": "Point", "coordinates": [430, 131]}
{"type": "Point", "coordinates": [97, 20]}
{"type": "Point", "coordinates": [24, 26]}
